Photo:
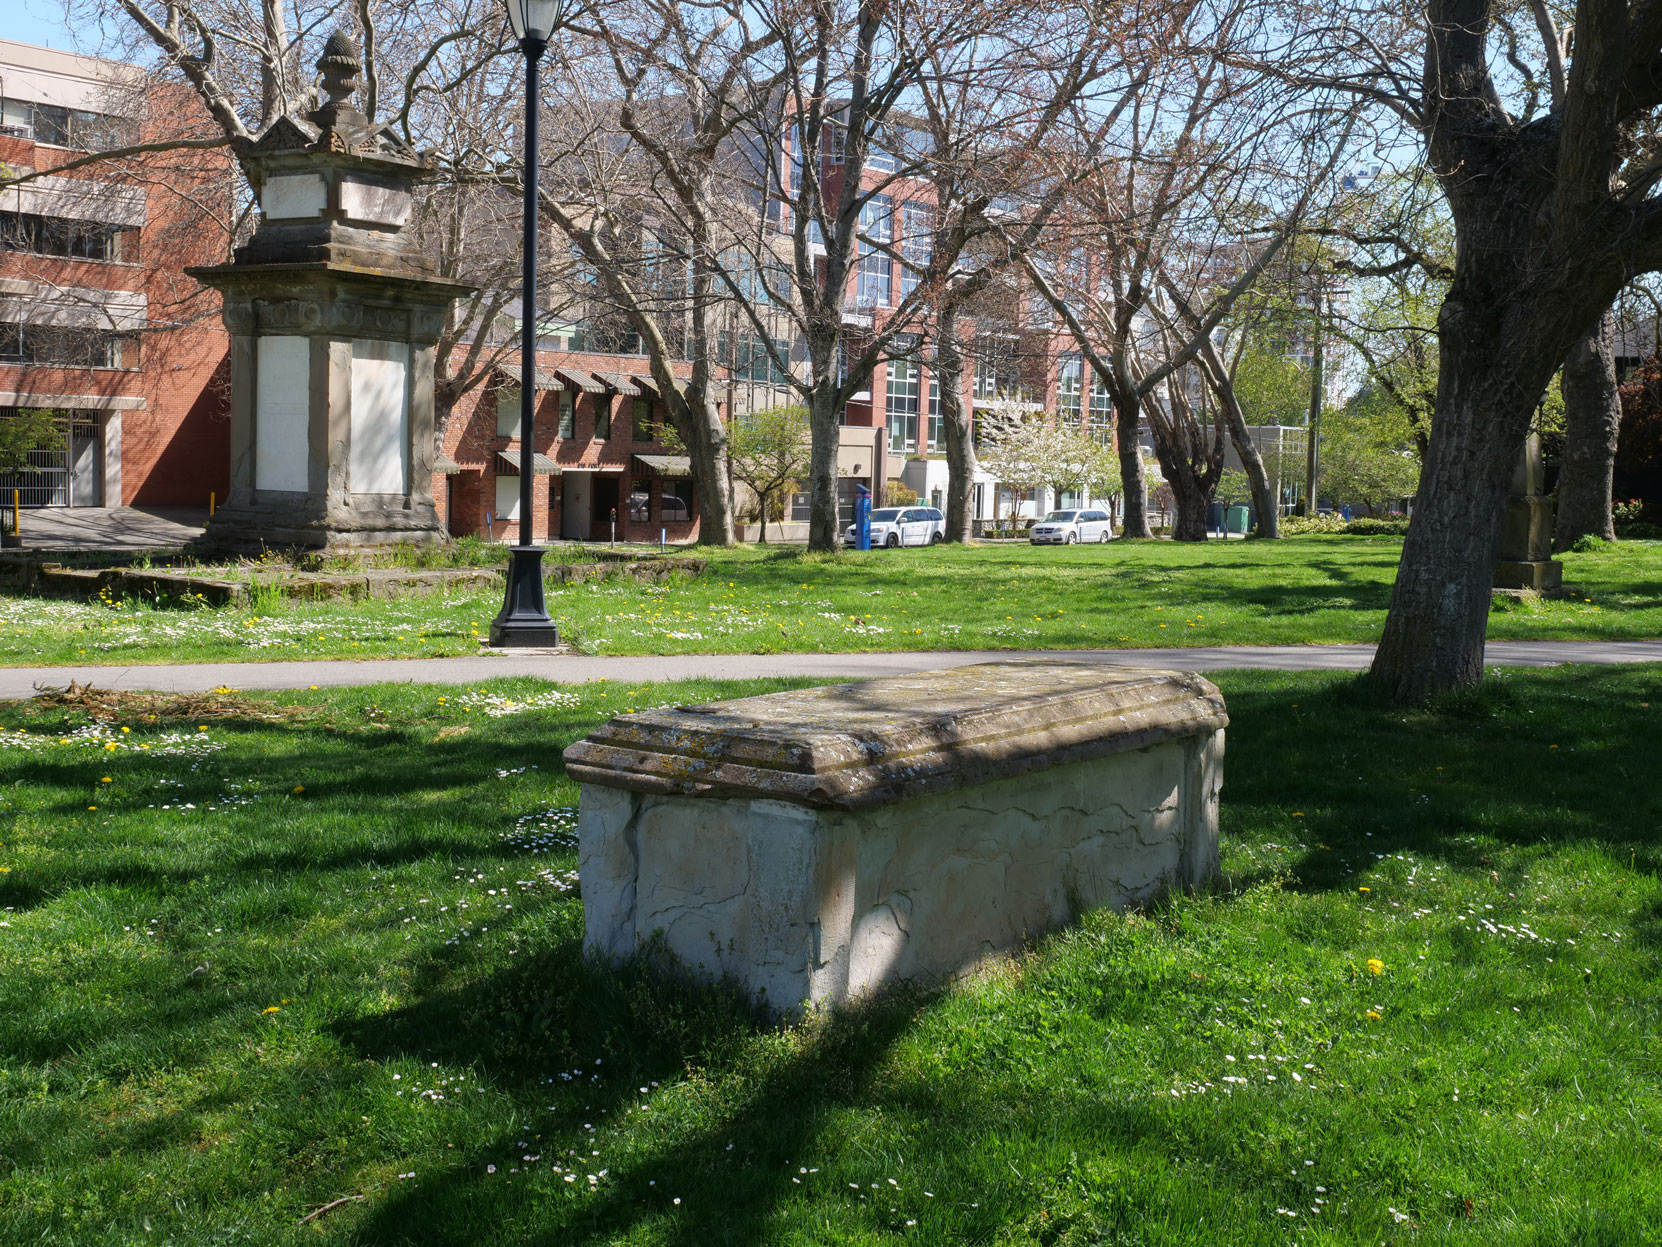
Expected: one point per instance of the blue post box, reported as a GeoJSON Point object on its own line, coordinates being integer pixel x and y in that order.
{"type": "Point", "coordinates": [862, 518]}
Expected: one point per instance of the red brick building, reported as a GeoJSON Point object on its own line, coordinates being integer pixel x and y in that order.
{"type": "Point", "coordinates": [98, 322]}
{"type": "Point", "coordinates": [597, 451]}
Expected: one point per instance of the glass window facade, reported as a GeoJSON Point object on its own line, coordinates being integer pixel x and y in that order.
{"type": "Point", "coordinates": [903, 405]}
{"type": "Point", "coordinates": [876, 267]}
{"type": "Point", "coordinates": [917, 243]}
{"type": "Point", "coordinates": [1068, 391]}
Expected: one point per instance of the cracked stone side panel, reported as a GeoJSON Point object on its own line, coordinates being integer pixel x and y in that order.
{"type": "Point", "coordinates": [835, 883]}
{"type": "Point", "coordinates": [1204, 774]}
{"type": "Point", "coordinates": [608, 866]}
{"type": "Point", "coordinates": [730, 886]}
{"type": "Point", "coordinates": [945, 881]}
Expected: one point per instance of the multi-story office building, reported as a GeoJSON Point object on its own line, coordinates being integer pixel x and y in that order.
{"type": "Point", "coordinates": [98, 322]}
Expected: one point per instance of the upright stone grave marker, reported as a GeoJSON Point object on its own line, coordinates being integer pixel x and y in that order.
{"type": "Point", "coordinates": [1526, 560]}
{"type": "Point", "coordinates": [333, 317]}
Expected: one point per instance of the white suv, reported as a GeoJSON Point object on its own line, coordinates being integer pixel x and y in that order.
{"type": "Point", "coordinates": [1064, 528]}
{"type": "Point", "coordinates": [904, 526]}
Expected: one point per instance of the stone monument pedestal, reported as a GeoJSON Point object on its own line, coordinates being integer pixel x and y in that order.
{"type": "Point", "coordinates": [1526, 560]}
{"type": "Point", "coordinates": [813, 846]}
{"type": "Point", "coordinates": [333, 318]}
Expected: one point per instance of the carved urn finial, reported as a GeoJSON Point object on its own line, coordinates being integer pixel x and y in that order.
{"type": "Point", "coordinates": [339, 67]}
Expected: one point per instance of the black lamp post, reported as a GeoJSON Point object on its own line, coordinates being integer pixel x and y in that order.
{"type": "Point", "coordinates": [523, 619]}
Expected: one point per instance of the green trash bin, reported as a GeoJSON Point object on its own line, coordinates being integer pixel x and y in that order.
{"type": "Point", "coordinates": [1236, 520]}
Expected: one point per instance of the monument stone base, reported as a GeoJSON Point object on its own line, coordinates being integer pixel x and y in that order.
{"type": "Point", "coordinates": [817, 845]}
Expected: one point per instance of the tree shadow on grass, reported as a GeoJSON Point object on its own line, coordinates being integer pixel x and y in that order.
{"type": "Point", "coordinates": [550, 1014]}
{"type": "Point", "coordinates": [1353, 779]}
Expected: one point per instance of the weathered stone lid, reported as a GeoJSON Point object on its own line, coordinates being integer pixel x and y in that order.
{"type": "Point", "coordinates": [852, 746]}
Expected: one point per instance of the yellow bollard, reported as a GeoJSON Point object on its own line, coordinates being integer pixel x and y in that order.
{"type": "Point", "coordinates": [210, 502]}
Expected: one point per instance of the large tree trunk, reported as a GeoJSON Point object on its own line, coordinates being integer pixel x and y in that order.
{"type": "Point", "coordinates": [1126, 418]}
{"type": "Point", "coordinates": [955, 423]}
{"type": "Point", "coordinates": [706, 440]}
{"type": "Point", "coordinates": [823, 521]}
{"type": "Point", "coordinates": [1434, 631]}
{"type": "Point", "coordinates": [1191, 502]}
{"type": "Point", "coordinates": [1592, 416]}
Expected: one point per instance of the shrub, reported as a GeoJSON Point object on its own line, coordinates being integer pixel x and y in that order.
{"type": "Point", "coordinates": [1639, 530]}
{"type": "Point", "coordinates": [1378, 528]}
{"type": "Point", "coordinates": [1587, 543]}
{"type": "Point", "coordinates": [1298, 525]}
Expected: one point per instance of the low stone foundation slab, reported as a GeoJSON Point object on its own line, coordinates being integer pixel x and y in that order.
{"type": "Point", "coordinates": [814, 846]}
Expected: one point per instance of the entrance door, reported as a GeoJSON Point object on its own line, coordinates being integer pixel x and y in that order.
{"type": "Point", "coordinates": [577, 491]}
{"type": "Point", "coordinates": [86, 467]}
{"type": "Point", "coordinates": [605, 502]}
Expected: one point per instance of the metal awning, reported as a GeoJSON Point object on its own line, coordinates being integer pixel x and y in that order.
{"type": "Point", "coordinates": [622, 382]}
{"type": "Point", "coordinates": [548, 381]}
{"type": "Point", "coordinates": [647, 385]}
{"type": "Point", "coordinates": [578, 379]}
{"type": "Point", "coordinates": [445, 464]}
{"type": "Point", "coordinates": [666, 465]}
{"type": "Point", "coordinates": [541, 465]}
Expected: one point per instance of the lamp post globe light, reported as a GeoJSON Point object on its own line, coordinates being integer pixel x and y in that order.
{"type": "Point", "coordinates": [523, 619]}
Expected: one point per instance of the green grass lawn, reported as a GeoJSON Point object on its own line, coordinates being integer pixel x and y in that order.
{"type": "Point", "coordinates": [1310, 589]}
{"type": "Point", "coordinates": [327, 947]}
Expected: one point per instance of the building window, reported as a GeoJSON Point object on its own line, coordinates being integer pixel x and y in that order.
{"type": "Point", "coordinates": [751, 359]}
{"type": "Point", "coordinates": [645, 429]}
{"type": "Point", "coordinates": [507, 411]}
{"type": "Point", "coordinates": [568, 414]}
{"type": "Point", "coordinates": [1068, 374]}
{"type": "Point", "coordinates": [903, 405]}
{"type": "Point", "coordinates": [1102, 412]}
{"type": "Point", "coordinates": [72, 346]}
{"type": "Point", "coordinates": [602, 417]}
{"type": "Point", "coordinates": [876, 267]}
{"type": "Point", "coordinates": [58, 236]}
{"type": "Point", "coordinates": [935, 434]}
{"type": "Point", "coordinates": [799, 508]}
{"type": "Point", "coordinates": [640, 502]}
{"type": "Point", "coordinates": [64, 127]}
{"type": "Point", "coordinates": [676, 500]}
{"type": "Point", "coordinates": [917, 243]}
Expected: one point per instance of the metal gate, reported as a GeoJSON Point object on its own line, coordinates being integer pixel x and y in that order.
{"type": "Point", "coordinates": [69, 476]}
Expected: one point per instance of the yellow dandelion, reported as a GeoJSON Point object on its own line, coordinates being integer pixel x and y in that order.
{"type": "Point", "coordinates": [1375, 966]}
{"type": "Point", "coordinates": [92, 807]}
{"type": "Point", "coordinates": [105, 780]}
{"type": "Point", "coordinates": [300, 788]}
{"type": "Point", "coordinates": [1374, 1015]}
{"type": "Point", "coordinates": [1364, 889]}
{"type": "Point", "coordinates": [272, 1009]}
{"type": "Point", "coordinates": [201, 727]}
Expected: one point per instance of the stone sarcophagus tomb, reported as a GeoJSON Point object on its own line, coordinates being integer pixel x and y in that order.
{"type": "Point", "coordinates": [813, 846]}
{"type": "Point", "coordinates": [333, 315]}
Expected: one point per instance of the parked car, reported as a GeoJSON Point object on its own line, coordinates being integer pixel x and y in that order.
{"type": "Point", "coordinates": [1064, 528]}
{"type": "Point", "coordinates": [904, 526]}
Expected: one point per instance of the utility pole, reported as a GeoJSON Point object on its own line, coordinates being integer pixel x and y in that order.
{"type": "Point", "coordinates": [1313, 422]}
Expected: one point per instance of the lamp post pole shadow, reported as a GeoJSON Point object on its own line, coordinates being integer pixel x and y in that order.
{"type": "Point", "coordinates": [523, 620]}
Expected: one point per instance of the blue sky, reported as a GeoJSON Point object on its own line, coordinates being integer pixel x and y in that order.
{"type": "Point", "coordinates": [35, 21]}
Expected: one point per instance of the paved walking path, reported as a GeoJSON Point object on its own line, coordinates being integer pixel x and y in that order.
{"type": "Point", "coordinates": [111, 528]}
{"type": "Point", "coordinates": [18, 682]}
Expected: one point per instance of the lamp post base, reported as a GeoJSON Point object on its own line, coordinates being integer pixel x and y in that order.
{"type": "Point", "coordinates": [523, 621]}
